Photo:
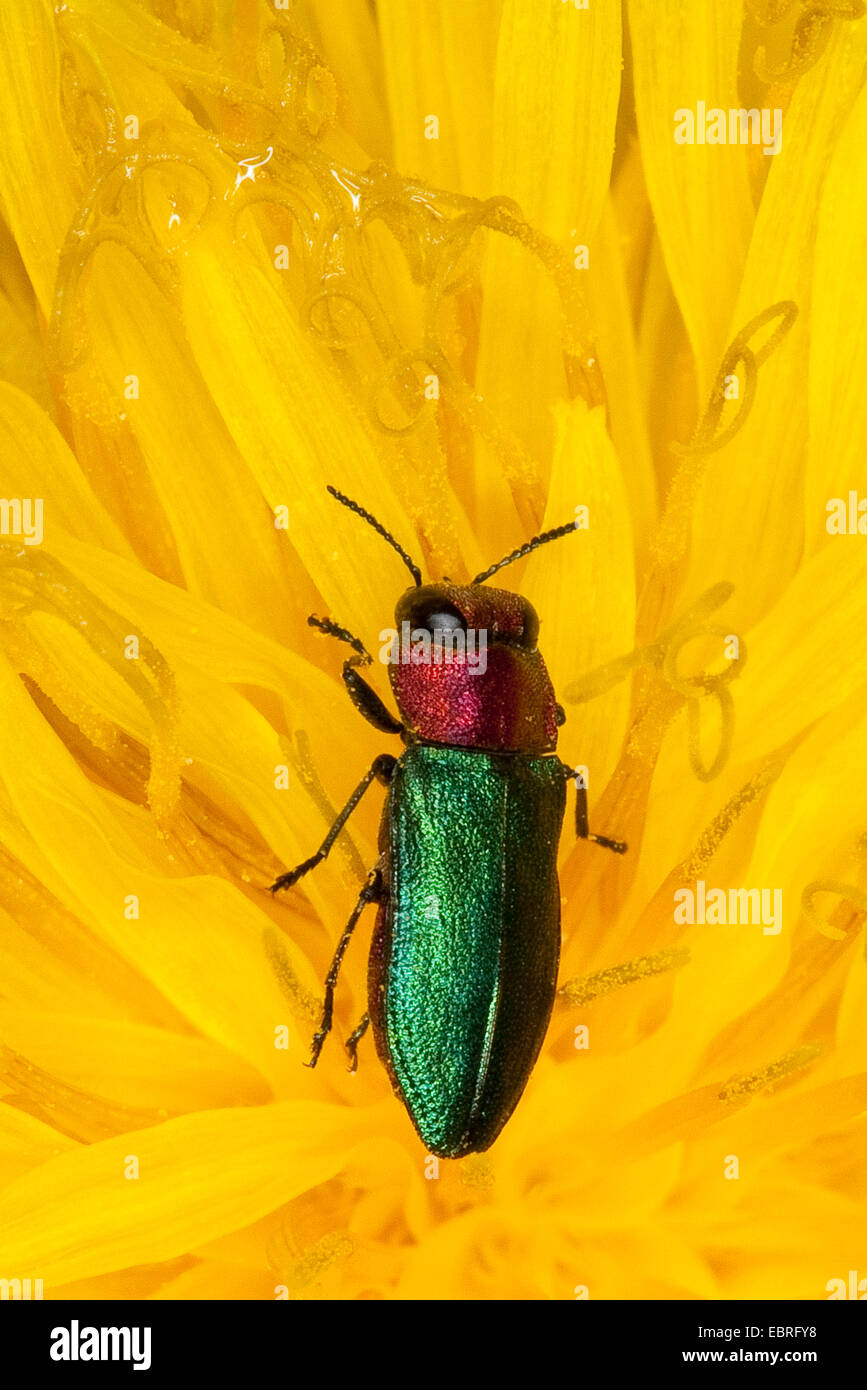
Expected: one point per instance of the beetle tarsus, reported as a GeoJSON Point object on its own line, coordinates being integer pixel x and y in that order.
{"type": "Point", "coordinates": [351, 1045]}
{"type": "Point", "coordinates": [316, 1045]}
{"type": "Point", "coordinates": [292, 875]}
{"type": "Point", "coordinates": [333, 629]}
{"type": "Point", "coordinates": [370, 893]}
{"type": "Point", "coordinates": [582, 822]}
{"type": "Point", "coordinates": [619, 846]}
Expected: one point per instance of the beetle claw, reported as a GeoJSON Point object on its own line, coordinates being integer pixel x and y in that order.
{"type": "Point", "coordinates": [619, 846]}
{"type": "Point", "coordinates": [291, 877]}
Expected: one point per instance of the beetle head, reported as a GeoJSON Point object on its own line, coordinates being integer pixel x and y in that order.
{"type": "Point", "coordinates": [466, 669]}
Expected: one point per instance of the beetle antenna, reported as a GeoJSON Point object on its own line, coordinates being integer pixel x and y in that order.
{"type": "Point", "coordinates": [378, 527]}
{"type": "Point", "coordinates": [523, 550]}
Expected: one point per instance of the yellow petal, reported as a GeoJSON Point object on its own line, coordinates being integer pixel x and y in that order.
{"type": "Point", "coordinates": [26, 1142]}
{"type": "Point", "coordinates": [137, 347]}
{"type": "Point", "coordinates": [802, 660]}
{"type": "Point", "coordinates": [557, 89]}
{"type": "Point", "coordinates": [200, 1176]}
{"type": "Point", "coordinates": [38, 461]}
{"type": "Point", "coordinates": [838, 353]}
{"type": "Point", "coordinates": [300, 435]}
{"type": "Point", "coordinates": [188, 930]}
{"type": "Point", "coordinates": [438, 62]}
{"type": "Point", "coordinates": [583, 588]}
{"type": "Point", "coordinates": [700, 193]}
{"type": "Point", "coordinates": [40, 181]}
{"type": "Point", "coordinates": [738, 516]}
{"type": "Point", "coordinates": [557, 86]}
{"type": "Point", "coordinates": [163, 1070]}
{"type": "Point", "coordinates": [353, 53]}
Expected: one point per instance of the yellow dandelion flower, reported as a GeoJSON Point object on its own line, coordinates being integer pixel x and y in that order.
{"type": "Point", "coordinates": [483, 265]}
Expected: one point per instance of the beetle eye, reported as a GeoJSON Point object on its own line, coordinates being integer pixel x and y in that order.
{"type": "Point", "coordinates": [436, 615]}
{"type": "Point", "coordinates": [530, 628]}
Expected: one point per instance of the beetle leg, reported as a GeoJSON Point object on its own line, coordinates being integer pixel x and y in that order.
{"type": "Point", "coordinates": [366, 700]}
{"type": "Point", "coordinates": [354, 1039]}
{"type": "Point", "coordinates": [381, 769]}
{"type": "Point", "coordinates": [333, 629]}
{"type": "Point", "coordinates": [371, 892]}
{"type": "Point", "coordinates": [362, 695]}
{"type": "Point", "coordinates": [582, 822]}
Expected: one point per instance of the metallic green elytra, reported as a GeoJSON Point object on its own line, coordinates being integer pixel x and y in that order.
{"type": "Point", "coordinates": [463, 965]}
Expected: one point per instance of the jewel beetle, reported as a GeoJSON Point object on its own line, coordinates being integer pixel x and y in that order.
{"type": "Point", "coordinates": [463, 964]}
